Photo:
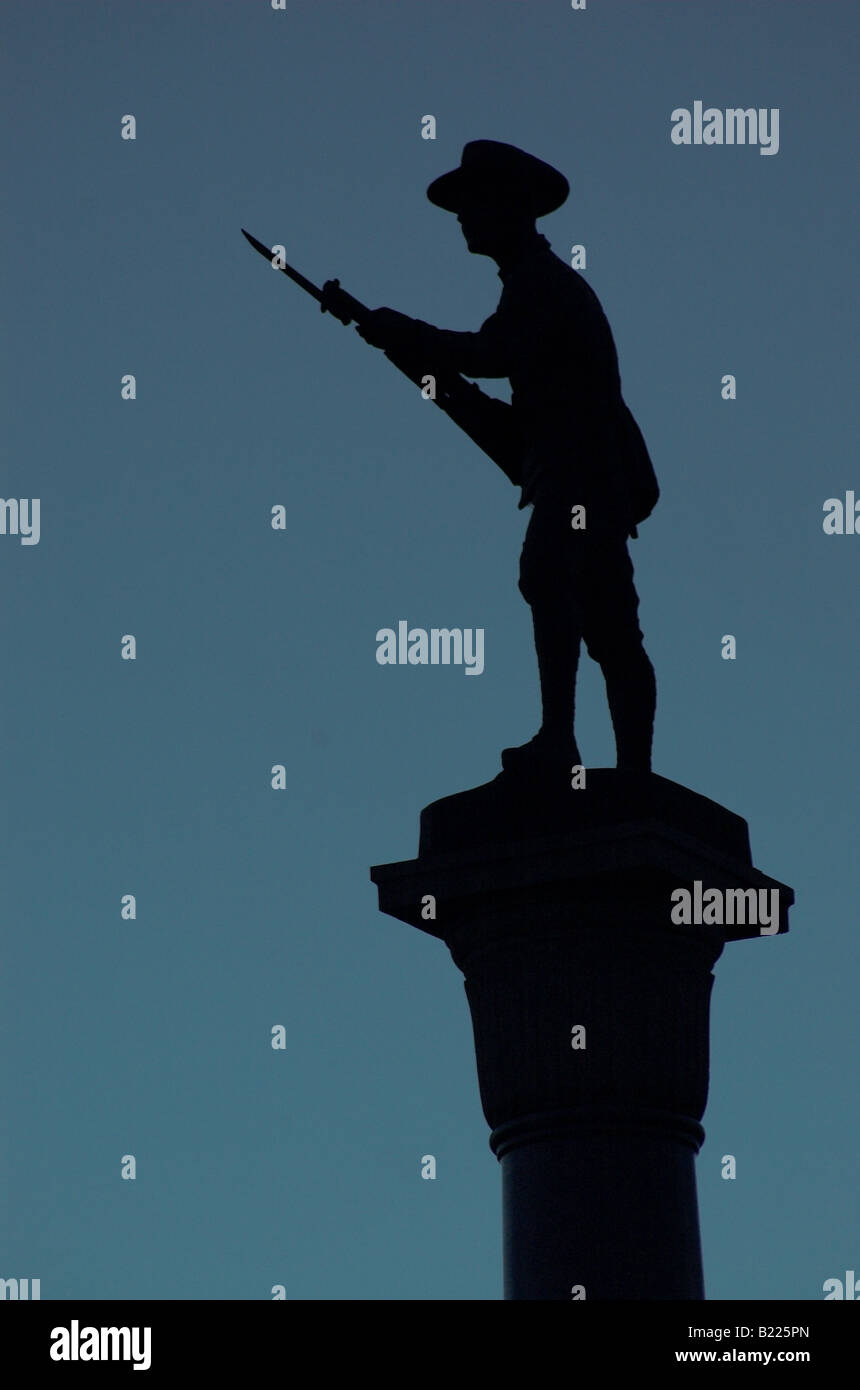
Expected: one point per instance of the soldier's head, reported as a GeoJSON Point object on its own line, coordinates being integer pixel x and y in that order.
{"type": "Point", "coordinates": [497, 192]}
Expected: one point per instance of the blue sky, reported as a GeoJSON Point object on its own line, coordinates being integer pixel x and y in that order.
{"type": "Point", "coordinates": [151, 1037]}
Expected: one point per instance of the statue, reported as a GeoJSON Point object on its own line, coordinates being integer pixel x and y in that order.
{"type": "Point", "coordinates": [582, 448]}
{"type": "Point", "coordinates": [567, 440]}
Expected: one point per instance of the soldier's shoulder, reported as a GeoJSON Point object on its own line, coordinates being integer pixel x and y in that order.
{"type": "Point", "coordinates": [550, 264]}
{"type": "Point", "coordinates": [565, 282]}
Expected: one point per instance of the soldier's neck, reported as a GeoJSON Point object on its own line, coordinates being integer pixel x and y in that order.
{"type": "Point", "coordinates": [507, 256]}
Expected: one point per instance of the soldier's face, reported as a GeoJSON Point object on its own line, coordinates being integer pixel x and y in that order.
{"type": "Point", "coordinates": [477, 226]}
{"type": "Point", "coordinates": [489, 228]}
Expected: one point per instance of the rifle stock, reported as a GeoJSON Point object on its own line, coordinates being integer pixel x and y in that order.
{"type": "Point", "coordinates": [487, 421]}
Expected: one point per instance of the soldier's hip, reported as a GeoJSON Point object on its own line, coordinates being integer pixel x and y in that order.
{"type": "Point", "coordinates": [584, 569]}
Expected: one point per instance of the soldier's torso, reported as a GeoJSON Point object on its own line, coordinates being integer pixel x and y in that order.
{"type": "Point", "coordinates": [561, 348]}
{"type": "Point", "coordinates": [565, 382]}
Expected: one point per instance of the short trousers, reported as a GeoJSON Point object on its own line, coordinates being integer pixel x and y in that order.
{"type": "Point", "coordinates": [585, 575]}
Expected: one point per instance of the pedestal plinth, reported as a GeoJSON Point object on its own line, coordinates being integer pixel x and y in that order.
{"type": "Point", "coordinates": [590, 1010]}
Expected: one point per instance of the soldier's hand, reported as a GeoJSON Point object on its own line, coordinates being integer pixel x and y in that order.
{"type": "Point", "coordinates": [386, 328]}
{"type": "Point", "coordinates": [335, 301]}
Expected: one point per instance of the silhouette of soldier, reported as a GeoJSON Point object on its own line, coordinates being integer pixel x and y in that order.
{"type": "Point", "coordinates": [550, 338]}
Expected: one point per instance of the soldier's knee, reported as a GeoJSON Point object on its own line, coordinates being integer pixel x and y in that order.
{"type": "Point", "coordinates": [535, 585]}
{"type": "Point", "coordinates": [616, 649]}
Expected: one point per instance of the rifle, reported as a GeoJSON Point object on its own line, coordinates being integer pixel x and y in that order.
{"type": "Point", "coordinates": [487, 421]}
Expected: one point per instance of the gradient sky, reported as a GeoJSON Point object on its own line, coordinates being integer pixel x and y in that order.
{"type": "Point", "coordinates": [254, 647]}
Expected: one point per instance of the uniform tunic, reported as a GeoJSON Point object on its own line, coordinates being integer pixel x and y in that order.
{"type": "Point", "coordinates": [550, 337]}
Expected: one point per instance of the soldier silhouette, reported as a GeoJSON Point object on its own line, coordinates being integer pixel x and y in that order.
{"type": "Point", "coordinates": [550, 337]}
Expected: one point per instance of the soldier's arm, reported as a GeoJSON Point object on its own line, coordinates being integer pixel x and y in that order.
{"type": "Point", "coordinates": [481, 354]}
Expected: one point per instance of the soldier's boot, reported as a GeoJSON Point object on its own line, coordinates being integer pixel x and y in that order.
{"type": "Point", "coordinates": [553, 749]}
{"type": "Point", "coordinates": [544, 755]}
{"type": "Point", "coordinates": [631, 691]}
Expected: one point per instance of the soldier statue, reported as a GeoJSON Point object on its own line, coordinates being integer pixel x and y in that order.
{"type": "Point", "coordinates": [581, 447]}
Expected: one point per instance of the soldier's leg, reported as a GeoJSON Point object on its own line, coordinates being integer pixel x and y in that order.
{"type": "Point", "coordinates": [631, 691]}
{"type": "Point", "coordinates": [613, 638]}
{"type": "Point", "coordinates": [557, 642]}
{"type": "Point", "coordinates": [547, 575]}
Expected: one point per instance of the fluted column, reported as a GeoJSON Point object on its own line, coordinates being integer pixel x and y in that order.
{"type": "Point", "coordinates": [590, 1010]}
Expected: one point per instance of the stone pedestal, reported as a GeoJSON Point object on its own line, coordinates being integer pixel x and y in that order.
{"type": "Point", "coordinates": [590, 1010]}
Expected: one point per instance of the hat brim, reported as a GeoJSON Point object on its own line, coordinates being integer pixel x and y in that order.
{"type": "Point", "coordinates": [537, 196]}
